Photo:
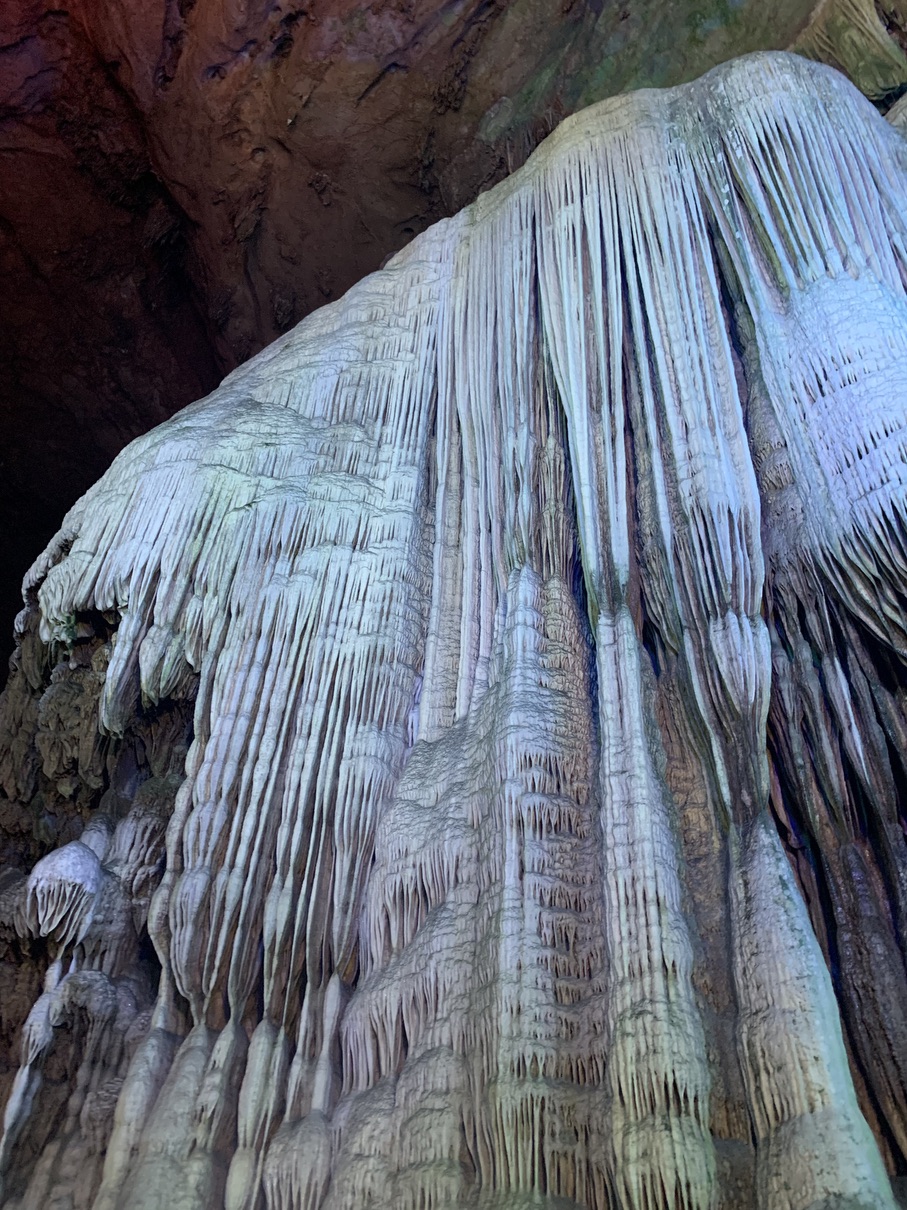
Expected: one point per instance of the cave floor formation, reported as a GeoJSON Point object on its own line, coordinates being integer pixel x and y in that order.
{"type": "Point", "coordinates": [462, 762]}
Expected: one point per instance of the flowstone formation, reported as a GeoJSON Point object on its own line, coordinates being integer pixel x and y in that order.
{"type": "Point", "coordinates": [462, 762]}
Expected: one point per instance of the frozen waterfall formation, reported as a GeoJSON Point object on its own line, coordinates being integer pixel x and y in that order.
{"type": "Point", "coordinates": [491, 703]}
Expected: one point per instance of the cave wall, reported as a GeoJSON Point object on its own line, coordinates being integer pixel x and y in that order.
{"type": "Point", "coordinates": [181, 182]}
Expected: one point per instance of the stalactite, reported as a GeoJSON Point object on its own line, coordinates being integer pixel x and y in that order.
{"type": "Point", "coordinates": [541, 607]}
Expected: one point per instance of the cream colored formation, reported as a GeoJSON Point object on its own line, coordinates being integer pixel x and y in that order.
{"type": "Point", "coordinates": [495, 582]}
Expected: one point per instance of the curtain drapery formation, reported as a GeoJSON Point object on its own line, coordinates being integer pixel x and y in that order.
{"type": "Point", "coordinates": [543, 608]}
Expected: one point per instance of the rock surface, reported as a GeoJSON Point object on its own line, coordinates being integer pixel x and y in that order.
{"type": "Point", "coordinates": [530, 626]}
{"type": "Point", "coordinates": [180, 182]}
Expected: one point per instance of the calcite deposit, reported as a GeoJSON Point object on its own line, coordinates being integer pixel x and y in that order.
{"type": "Point", "coordinates": [482, 719]}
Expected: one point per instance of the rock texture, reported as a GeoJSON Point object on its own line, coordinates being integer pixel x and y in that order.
{"type": "Point", "coordinates": [181, 182]}
{"type": "Point", "coordinates": [485, 713]}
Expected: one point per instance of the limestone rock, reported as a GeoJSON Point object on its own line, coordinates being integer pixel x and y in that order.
{"type": "Point", "coordinates": [540, 611]}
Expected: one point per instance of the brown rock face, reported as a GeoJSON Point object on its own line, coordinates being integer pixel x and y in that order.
{"type": "Point", "coordinates": [180, 182]}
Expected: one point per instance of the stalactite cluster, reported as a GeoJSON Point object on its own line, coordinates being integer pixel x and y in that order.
{"type": "Point", "coordinates": [487, 712]}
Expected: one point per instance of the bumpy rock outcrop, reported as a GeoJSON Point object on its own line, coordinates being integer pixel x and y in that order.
{"type": "Point", "coordinates": [539, 611]}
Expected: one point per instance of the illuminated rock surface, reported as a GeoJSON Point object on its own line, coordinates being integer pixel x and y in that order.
{"type": "Point", "coordinates": [532, 627]}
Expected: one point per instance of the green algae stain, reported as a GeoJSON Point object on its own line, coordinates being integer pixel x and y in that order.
{"type": "Point", "coordinates": [619, 47]}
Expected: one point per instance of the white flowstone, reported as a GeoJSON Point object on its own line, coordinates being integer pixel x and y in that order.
{"type": "Point", "coordinates": [423, 927]}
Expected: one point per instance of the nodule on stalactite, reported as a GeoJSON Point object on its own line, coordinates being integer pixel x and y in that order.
{"type": "Point", "coordinates": [493, 706]}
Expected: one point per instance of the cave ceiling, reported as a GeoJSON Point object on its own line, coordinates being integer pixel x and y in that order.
{"type": "Point", "coordinates": [182, 181]}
